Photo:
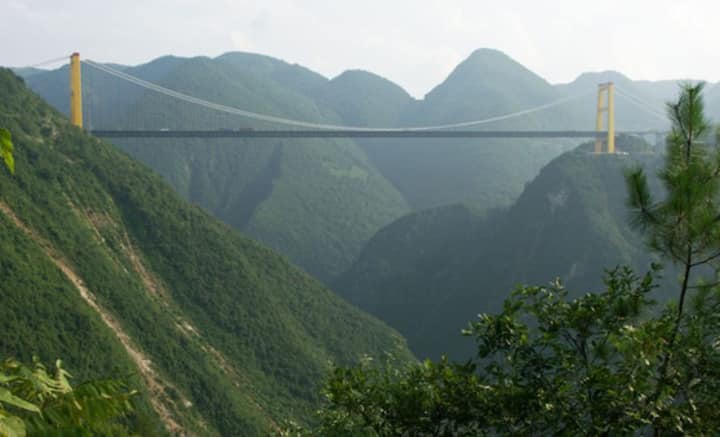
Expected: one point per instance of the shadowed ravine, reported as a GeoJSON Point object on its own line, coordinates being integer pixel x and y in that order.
{"type": "Point", "coordinates": [254, 194]}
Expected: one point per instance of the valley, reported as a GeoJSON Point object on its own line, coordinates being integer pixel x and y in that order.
{"type": "Point", "coordinates": [235, 279]}
{"type": "Point", "coordinates": [348, 189]}
{"type": "Point", "coordinates": [107, 267]}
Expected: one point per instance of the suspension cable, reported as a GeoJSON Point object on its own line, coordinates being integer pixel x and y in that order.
{"type": "Point", "coordinates": [48, 62]}
{"type": "Point", "coordinates": [647, 107]}
{"type": "Point", "coordinates": [286, 121]}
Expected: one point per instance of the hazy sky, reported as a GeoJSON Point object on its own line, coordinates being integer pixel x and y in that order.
{"type": "Point", "coordinates": [415, 43]}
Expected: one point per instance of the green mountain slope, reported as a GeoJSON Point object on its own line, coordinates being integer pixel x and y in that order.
{"type": "Point", "coordinates": [316, 201]}
{"type": "Point", "coordinates": [409, 275]}
{"type": "Point", "coordinates": [431, 272]}
{"type": "Point", "coordinates": [105, 266]}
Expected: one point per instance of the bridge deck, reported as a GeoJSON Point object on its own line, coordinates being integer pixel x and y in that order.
{"type": "Point", "coordinates": [252, 133]}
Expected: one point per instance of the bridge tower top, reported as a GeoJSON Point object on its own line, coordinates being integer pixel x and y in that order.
{"type": "Point", "coordinates": [606, 106]}
{"type": "Point", "coordinates": [76, 114]}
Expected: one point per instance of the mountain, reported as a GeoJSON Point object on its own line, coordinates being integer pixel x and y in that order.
{"type": "Point", "coordinates": [486, 84]}
{"type": "Point", "coordinates": [429, 273]}
{"type": "Point", "coordinates": [27, 71]}
{"type": "Point", "coordinates": [485, 173]}
{"type": "Point", "coordinates": [364, 99]}
{"type": "Point", "coordinates": [106, 267]}
{"type": "Point", "coordinates": [296, 77]}
{"type": "Point", "coordinates": [409, 275]}
{"type": "Point", "coordinates": [316, 201]}
{"type": "Point", "coordinates": [659, 90]}
{"type": "Point", "coordinates": [319, 201]}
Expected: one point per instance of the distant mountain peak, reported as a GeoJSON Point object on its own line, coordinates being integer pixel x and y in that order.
{"type": "Point", "coordinates": [357, 72]}
{"type": "Point", "coordinates": [367, 78]}
{"type": "Point", "coordinates": [300, 78]}
{"type": "Point", "coordinates": [492, 66]}
{"type": "Point", "coordinates": [354, 73]}
{"type": "Point", "coordinates": [486, 52]}
{"type": "Point", "coordinates": [489, 81]}
{"type": "Point", "coordinates": [603, 76]}
{"type": "Point", "coordinates": [249, 56]}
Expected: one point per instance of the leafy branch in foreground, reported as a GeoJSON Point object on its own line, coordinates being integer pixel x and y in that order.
{"type": "Point", "coordinates": [36, 402]}
{"type": "Point", "coordinates": [546, 364]}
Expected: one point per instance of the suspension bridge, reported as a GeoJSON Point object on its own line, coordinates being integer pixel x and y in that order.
{"type": "Point", "coordinates": [604, 132]}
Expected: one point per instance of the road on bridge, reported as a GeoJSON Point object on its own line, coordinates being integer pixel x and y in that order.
{"type": "Point", "coordinates": [350, 133]}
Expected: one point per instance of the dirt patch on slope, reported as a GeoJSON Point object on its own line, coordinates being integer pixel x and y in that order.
{"type": "Point", "coordinates": [156, 386]}
{"type": "Point", "coordinates": [101, 222]}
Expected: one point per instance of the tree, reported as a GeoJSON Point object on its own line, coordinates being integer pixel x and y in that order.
{"type": "Point", "coordinates": [685, 226]}
{"type": "Point", "coordinates": [613, 362]}
{"type": "Point", "coordinates": [545, 365]}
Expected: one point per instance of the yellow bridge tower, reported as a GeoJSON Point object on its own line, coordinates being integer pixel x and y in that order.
{"type": "Point", "coordinates": [76, 115]}
{"type": "Point", "coordinates": [605, 105]}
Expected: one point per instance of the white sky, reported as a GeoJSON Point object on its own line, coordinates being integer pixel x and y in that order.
{"type": "Point", "coordinates": [415, 43]}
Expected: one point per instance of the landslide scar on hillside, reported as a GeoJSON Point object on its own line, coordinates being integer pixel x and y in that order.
{"type": "Point", "coordinates": [156, 386]}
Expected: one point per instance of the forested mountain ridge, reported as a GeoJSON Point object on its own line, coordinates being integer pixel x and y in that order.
{"type": "Point", "coordinates": [104, 266]}
{"type": "Point", "coordinates": [316, 201]}
{"type": "Point", "coordinates": [428, 274]}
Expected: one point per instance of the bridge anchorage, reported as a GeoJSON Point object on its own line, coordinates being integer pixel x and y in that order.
{"type": "Point", "coordinates": [604, 133]}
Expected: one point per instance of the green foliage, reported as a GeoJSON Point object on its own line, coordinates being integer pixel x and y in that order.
{"type": "Point", "coordinates": [547, 365]}
{"type": "Point", "coordinates": [264, 331]}
{"type": "Point", "coordinates": [685, 227]}
{"type": "Point", "coordinates": [35, 402]}
{"type": "Point", "coordinates": [6, 149]}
